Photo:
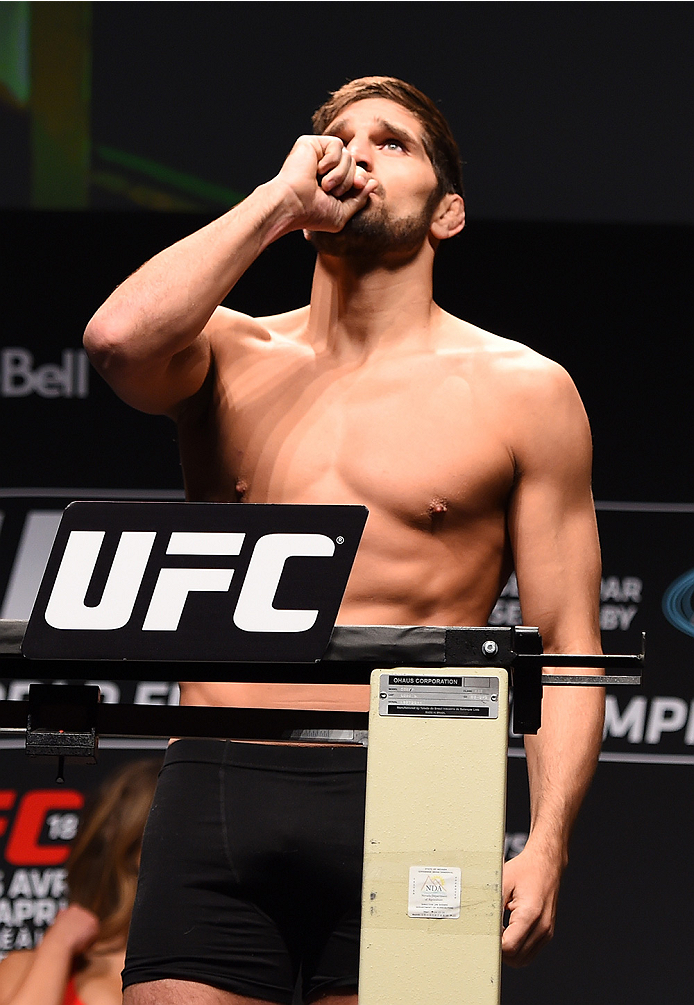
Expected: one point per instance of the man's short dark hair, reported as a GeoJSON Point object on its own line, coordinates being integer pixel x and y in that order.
{"type": "Point", "coordinates": [436, 133]}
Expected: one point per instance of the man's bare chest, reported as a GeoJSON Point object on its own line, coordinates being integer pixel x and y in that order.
{"type": "Point", "coordinates": [405, 436]}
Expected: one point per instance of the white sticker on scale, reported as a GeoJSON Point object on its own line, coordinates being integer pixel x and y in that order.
{"type": "Point", "coordinates": [434, 892]}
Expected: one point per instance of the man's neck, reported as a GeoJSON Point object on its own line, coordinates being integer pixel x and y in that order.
{"type": "Point", "coordinates": [358, 312]}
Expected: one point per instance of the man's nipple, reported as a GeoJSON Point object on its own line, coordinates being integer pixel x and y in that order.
{"type": "Point", "coordinates": [241, 488]}
{"type": "Point", "coordinates": [437, 509]}
{"type": "Point", "coordinates": [438, 506]}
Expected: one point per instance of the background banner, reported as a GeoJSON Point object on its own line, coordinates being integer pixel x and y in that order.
{"type": "Point", "coordinates": [591, 297]}
{"type": "Point", "coordinates": [630, 853]}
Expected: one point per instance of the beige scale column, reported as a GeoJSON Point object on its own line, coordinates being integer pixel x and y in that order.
{"type": "Point", "coordinates": [434, 837]}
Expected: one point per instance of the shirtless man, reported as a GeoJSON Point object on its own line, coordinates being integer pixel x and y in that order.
{"type": "Point", "coordinates": [471, 452]}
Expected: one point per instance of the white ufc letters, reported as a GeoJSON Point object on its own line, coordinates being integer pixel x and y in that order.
{"type": "Point", "coordinates": [254, 611]}
{"type": "Point", "coordinates": [66, 608]}
{"type": "Point", "coordinates": [174, 585]}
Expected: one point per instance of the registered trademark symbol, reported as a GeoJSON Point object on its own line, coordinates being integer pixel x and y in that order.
{"type": "Point", "coordinates": [340, 539]}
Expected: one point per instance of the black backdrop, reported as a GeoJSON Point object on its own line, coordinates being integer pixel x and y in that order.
{"type": "Point", "coordinates": [563, 111]}
{"type": "Point", "coordinates": [608, 301]}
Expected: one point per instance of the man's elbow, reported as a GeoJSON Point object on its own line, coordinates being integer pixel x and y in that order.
{"type": "Point", "coordinates": [108, 342]}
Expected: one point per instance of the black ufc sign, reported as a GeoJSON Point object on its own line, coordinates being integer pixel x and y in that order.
{"type": "Point", "coordinates": [194, 581]}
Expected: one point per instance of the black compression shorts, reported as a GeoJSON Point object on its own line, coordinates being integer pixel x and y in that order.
{"type": "Point", "coordinates": [251, 870]}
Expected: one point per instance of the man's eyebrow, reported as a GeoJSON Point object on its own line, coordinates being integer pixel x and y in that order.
{"type": "Point", "coordinates": [335, 127]}
{"type": "Point", "coordinates": [399, 132]}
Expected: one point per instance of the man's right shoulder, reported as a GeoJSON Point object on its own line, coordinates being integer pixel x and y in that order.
{"type": "Point", "coordinates": [232, 331]}
{"type": "Point", "coordinates": [225, 322]}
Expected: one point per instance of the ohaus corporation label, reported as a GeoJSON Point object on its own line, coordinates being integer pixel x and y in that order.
{"type": "Point", "coordinates": [454, 696]}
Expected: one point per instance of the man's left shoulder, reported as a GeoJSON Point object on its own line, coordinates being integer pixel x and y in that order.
{"type": "Point", "coordinates": [513, 364]}
{"type": "Point", "coordinates": [529, 374]}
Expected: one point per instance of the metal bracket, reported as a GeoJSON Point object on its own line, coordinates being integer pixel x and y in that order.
{"type": "Point", "coordinates": [61, 722]}
{"type": "Point", "coordinates": [529, 680]}
{"type": "Point", "coordinates": [527, 685]}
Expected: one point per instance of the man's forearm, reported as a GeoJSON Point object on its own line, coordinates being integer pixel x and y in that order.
{"type": "Point", "coordinates": [561, 762]}
{"type": "Point", "coordinates": [163, 306]}
{"type": "Point", "coordinates": [153, 340]}
{"type": "Point", "coordinates": [562, 759]}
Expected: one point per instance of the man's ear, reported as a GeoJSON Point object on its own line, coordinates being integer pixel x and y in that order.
{"type": "Point", "coordinates": [449, 218]}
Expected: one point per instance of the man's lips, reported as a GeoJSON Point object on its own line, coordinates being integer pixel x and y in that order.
{"type": "Point", "coordinates": [379, 191]}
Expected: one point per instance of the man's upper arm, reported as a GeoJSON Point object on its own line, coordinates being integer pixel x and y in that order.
{"type": "Point", "coordinates": [157, 382]}
{"type": "Point", "coordinates": [551, 517]}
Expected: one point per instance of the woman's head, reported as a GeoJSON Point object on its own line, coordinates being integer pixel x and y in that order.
{"type": "Point", "coordinates": [105, 855]}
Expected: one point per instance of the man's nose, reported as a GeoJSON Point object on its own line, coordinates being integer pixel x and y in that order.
{"type": "Point", "coordinates": [360, 149]}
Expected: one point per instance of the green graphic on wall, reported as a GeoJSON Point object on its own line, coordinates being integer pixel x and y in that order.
{"type": "Point", "coordinates": [51, 160]}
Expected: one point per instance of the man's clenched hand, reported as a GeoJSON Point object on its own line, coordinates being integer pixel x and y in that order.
{"type": "Point", "coordinates": [530, 889]}
{"type": "Point", "coordinates": [327, 185]}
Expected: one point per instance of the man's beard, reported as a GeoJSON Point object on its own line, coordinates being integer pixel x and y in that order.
{"type": "Point", "coordinates": [372, 235]}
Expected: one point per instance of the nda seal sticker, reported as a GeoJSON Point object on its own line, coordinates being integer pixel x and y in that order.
{"type": "Point", "coordinates": [434, 892]}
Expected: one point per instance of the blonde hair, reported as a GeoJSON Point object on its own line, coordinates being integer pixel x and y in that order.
{"type": "Point", "coordinates": [105, 855]}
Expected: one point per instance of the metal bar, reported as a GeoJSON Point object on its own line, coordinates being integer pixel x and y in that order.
{"type": "Point", "coordinates": [218, 721]}
{"type": "Point", "coordinates": [161, 721]}
{"type": "Point", "coordinates": [361, 647]}
{"type": "Point", "coordinates": [521, 660]}
{"type": "Point", "coordinates": [590, 680]}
